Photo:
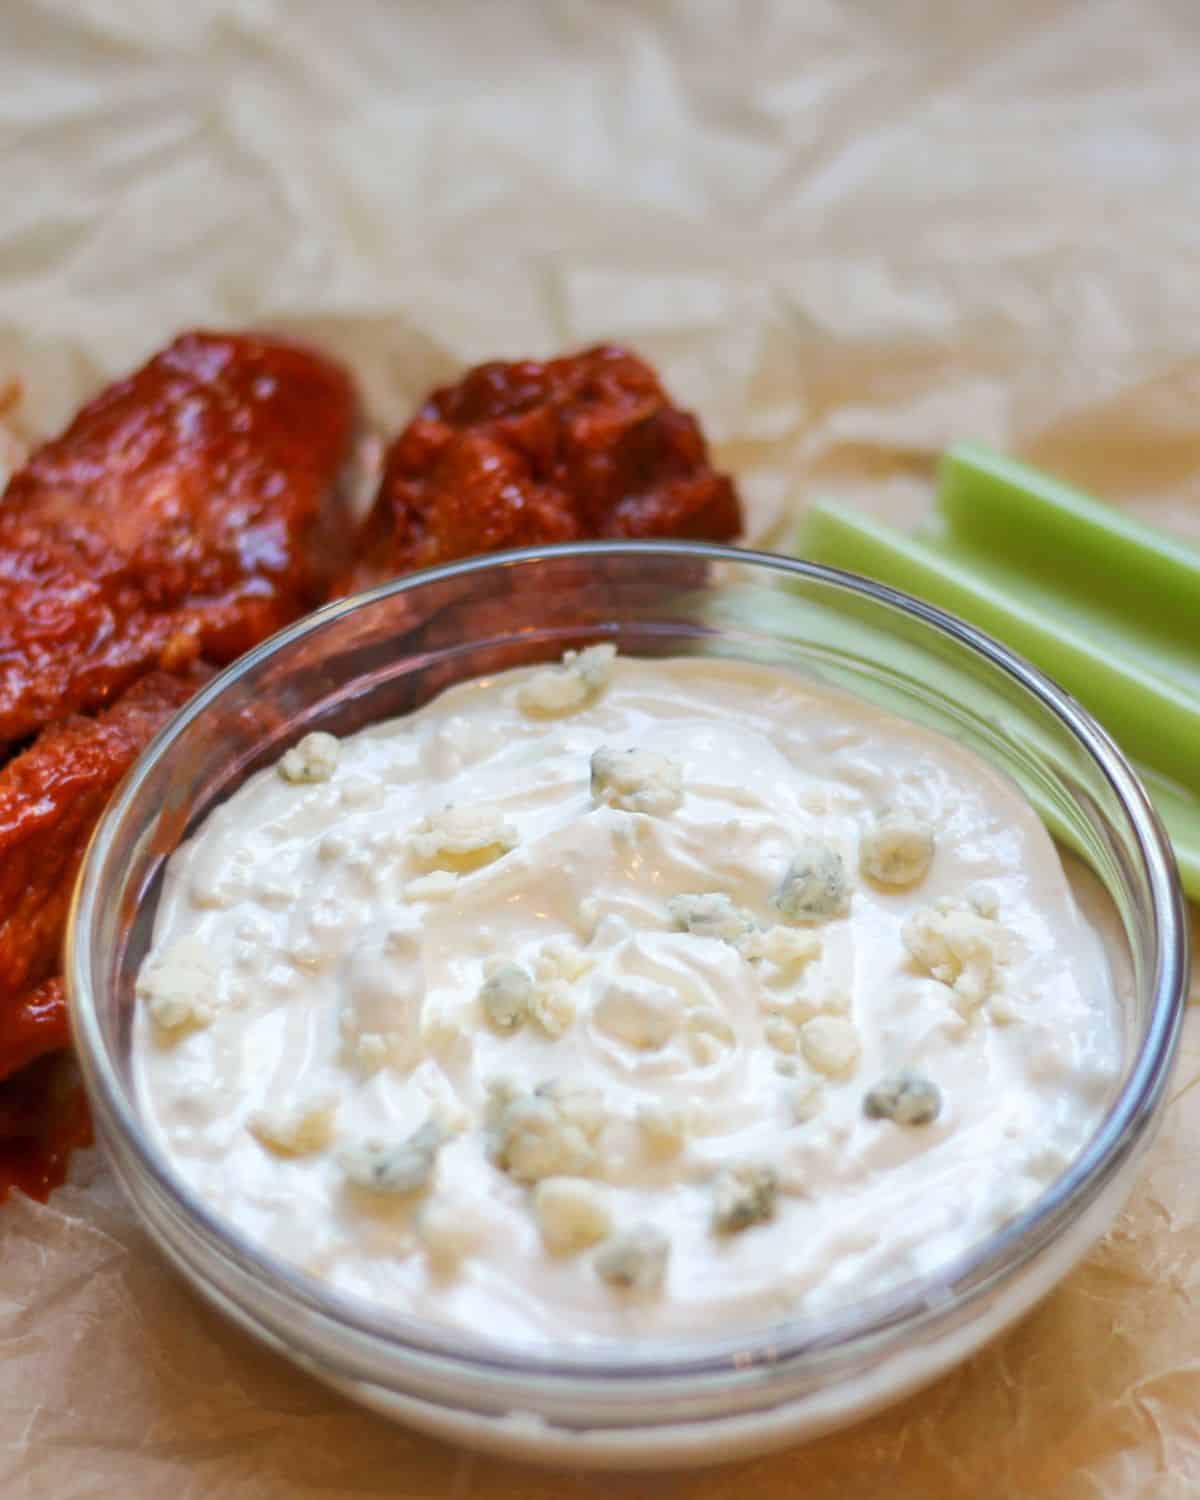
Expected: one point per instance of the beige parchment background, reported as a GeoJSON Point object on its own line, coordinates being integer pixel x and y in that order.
{"type": "Point", "coordinates": [848, 233]}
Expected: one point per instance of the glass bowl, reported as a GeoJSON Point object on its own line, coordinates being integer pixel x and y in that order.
{"type": "Point", "coordinates": [385, 652]}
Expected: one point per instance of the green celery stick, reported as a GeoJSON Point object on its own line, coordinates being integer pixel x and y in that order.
{"type": "Point", "coordinates": [1107, 622]}
{"type": "Point", "coordinates": [1155, 720]}
{"type": "Point", "coordinates": [1004, 509]}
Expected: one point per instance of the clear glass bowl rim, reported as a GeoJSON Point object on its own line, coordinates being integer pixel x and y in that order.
{"type": "Point", "coordinates": [912, 1307]}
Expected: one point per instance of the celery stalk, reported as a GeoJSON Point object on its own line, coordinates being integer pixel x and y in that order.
{"type": "Point", "coordinates": [1155, 720]}
{"type": "Point", "coordinates": [1004, 510]}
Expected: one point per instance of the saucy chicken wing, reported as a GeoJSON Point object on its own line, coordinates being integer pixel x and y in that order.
{"type": "Point", "coordinates": [50, 798]}
{"type": "Point", "coordinates": [189, 511]}
{"type": "Point", "coordinates": [513, 455]}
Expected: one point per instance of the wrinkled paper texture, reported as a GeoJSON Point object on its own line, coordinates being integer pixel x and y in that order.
{"type": "Point", "coordinates": [848, 234]}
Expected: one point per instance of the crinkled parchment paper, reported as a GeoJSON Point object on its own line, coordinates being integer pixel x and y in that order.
{"type": "Point", "coordinates": [848, 234]}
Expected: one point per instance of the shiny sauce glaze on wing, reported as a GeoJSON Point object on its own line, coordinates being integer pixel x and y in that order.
{"type": "Point", "coordinates": [189, 511]}
{"type": "Point", "coordinates": [51, 797]}
{"type": "Point", "coordinates": [186, 513]}
{"type": "Point", "coordinates": [32, 1025]}
{"type": "Point", "coordinates": [584, 447]}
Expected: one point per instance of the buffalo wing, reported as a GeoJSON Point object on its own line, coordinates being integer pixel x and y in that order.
{"type": "Point", "coordinates": [513, 455]}
{"type": "Point", "coordinates": [188, 511]}
{"type": "Point", "coordinates": [50, 799]}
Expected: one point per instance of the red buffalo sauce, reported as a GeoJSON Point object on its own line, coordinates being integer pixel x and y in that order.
{"type": "Point", "coordinates": [43, 1118]}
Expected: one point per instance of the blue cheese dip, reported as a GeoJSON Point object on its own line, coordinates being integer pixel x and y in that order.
{"type": "Point", "coordinates": [623, 998]}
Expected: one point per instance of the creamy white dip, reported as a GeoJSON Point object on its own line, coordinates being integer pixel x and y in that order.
{"type": "Point", "coordinates": [623, 998]}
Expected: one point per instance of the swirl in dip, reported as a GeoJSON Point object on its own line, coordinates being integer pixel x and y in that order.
{"type": "Point", "coordinates": [623, 998]}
